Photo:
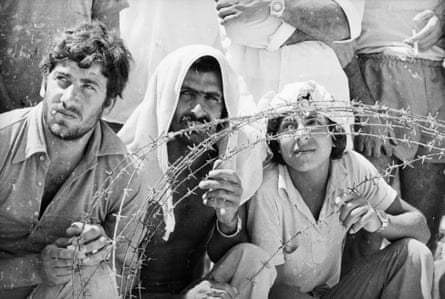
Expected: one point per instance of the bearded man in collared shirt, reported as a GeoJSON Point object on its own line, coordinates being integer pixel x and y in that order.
{"type": "Point", "coordinates": [61, 178]}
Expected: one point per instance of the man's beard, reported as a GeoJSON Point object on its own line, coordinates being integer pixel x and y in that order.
{"type": "Point", "coordinates": [60, 129]}
{"type": "Point", "coordinates": [191, 136]}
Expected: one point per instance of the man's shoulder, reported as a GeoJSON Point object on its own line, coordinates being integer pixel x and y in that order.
{"type": "Point", "coordinates": [353, 160]}
{"type": "Point", "coordinates": [13, 117]}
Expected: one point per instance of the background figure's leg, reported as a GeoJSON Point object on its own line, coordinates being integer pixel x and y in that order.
{"type": "Point", "coordinates": [243, 263]}
{"type": "Point", "coordinates": [95, 282]}
{"type": "Point", "coordinates": [404, 269]}
{"type": "Point", "coordinates": [424, 187]}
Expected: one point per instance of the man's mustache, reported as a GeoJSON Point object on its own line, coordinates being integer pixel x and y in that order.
{"type": "Point", "coordinates": [193, 118]}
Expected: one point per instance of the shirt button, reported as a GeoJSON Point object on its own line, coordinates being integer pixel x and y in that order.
{"type": "Point", "coordinates": [42, 158]}
{"type": "Point", "coordinates": [39, 184]}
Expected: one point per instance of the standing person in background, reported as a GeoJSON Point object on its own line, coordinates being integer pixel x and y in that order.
{"type": "Point", "coordinates": [154, 28]}
{"type": "Point", "coordinates": [27, 27]}
{"type": "Point", "coordinates": [401, 64]}
{"type": "Point", "coordinates": [275, 42]}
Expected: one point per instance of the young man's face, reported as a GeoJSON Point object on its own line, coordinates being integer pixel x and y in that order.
{"type": "Point", "coordinates": [200, 101]}
{"type": "Point", "coordinates": [74, 99]}
{"type": "Point", "coordinates": [306, 144]}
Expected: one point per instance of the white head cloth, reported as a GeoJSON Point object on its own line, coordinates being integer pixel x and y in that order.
{"type": "Point", "coordinates": [153, 116]}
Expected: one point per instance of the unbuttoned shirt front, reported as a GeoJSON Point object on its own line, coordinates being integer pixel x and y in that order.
{"type": "Point", "coordinates": [104, 184]}
{"type": "Point", "coordinates": [311, 249]}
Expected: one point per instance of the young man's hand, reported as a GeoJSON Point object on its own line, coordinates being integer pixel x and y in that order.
{"type": "Point", "coordinates": [356, 213]}
{"type": "Point", "coordinates": [58, 263]}
{"type": "Point", "coordinates": [223, 193]}
{"type": "Point", "coordinates": [91, 242]}
{"type": "Point", "coordinates": [85, 245]}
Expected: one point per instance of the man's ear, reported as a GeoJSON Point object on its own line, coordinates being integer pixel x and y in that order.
{"type": "Point", "coordinates": [108, 105]}
{"type": "Point", "coordinates": [43, 87]}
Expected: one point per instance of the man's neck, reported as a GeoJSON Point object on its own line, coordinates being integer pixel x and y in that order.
{"type": "Point", "coordinates": [70, 151]}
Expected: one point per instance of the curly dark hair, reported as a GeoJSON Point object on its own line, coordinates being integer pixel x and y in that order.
{"type": "Point", "coordinates": [90, 43]}
{"type": "Point", "coordinates": [337, 132]}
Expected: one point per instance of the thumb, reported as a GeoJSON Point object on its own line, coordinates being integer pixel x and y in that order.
{"type": "Point", "coordinates": [75, 229]}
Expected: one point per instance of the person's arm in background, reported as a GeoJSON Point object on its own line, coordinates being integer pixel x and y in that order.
{"type": "Point", "coordinates": [323, 20]}
{"type": "Point", "coordinates": [107, 11]}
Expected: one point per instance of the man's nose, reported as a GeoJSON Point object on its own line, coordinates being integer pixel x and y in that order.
{"type": "Point", "coordinates": [198, 110]}
{"type": "Point", "coordinates": [70, 94]}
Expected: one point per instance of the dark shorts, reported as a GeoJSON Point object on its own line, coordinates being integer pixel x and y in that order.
{"type": "Point", "coordinates": [417, 84]}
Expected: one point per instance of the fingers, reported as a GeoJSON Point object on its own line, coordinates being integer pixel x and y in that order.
{"type": "Point", "coordinates": [52, 251]}
{"type": "Point", "coordinates": [430, 30]}
{"type": "Point", "coordinates": [211, 289]}
{"type": "Point", "coordinates": [351, 202]}
{"type": "Point", "coordinates": [57, 264]}
{"type": "Point", "coordinates": [362, 221]}
{"type": "Point", "coordinates": [222, 290]}
{"type": "Point", "coordinates": [222, 184]}
{"type": "Point", "coordinates": [97, 256]}
{"type": "Point", "coordinates": [90, 243]}
{"type": "Point", "coordinates": [86, 232]}
{"type": "Point", "coordinates": [355, 216]}
{"type": "Point", "coordinates": [224, 174]}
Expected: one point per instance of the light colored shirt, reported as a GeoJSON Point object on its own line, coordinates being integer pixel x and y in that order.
{"type": "Point", "coordinates": [89, 194]}
{"type": "Point", "coordinates": [386, 23]}
{"type": "Point", "coordinates": [154, 28]}
{"type": "Point", "coordinates": [310, 249]}
{"type": "Point", "coordinates": [265, 67]}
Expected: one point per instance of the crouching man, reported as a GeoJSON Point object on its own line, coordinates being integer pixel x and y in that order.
{"type": "Point", "coordinates": [69, 194]}
{"type": "Point", "coordinates": [192, 89]}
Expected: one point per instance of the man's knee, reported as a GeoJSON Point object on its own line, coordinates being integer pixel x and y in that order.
{"type": "Point", "coordinates": [251, 251]}
{"type": "Point", "coordinates": [417, 254]}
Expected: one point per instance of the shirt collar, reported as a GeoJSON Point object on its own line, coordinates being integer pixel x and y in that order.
{"type": "Point", "coordinates": [103, 141]}
{"type": "Point", "coordinates": [336, 177]}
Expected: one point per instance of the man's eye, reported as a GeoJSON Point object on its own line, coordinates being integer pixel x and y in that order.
{"type": "Point", "coordinates": [89, 87]}
{"type": "Point", "coordinates": [214, 98]}
{"type": "Point", "coordinates": [62, 81]}
{"type": "Point", "coordinates": [313, 122]}
{"type": "Point", "coordinates": [289, 127]}
{"type": "Point", "coordinates": [186, 94]}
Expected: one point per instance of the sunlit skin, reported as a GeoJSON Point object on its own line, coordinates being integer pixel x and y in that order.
{"type": "Point", "coordinates": [74, 99]}
{"type": "Point", "coordinates": [200, 101]}
{"type": "Point", "coordinates": [306, 144]}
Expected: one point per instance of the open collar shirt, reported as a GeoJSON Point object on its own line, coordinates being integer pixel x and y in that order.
{"type": "Point", "coordinates": [104, 184]}
{"type": "Point", "coordinates": [310, 249]}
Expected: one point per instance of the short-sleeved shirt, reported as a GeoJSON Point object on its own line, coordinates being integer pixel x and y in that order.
{"type": "Point", "coordinates": [387, 23]}
{"type": "Point", "coordinates": [27, 29]}
{"type": "Point", "coordinates": [310, 249]}
{"type": "Point", "coordinates": [104, 184]}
